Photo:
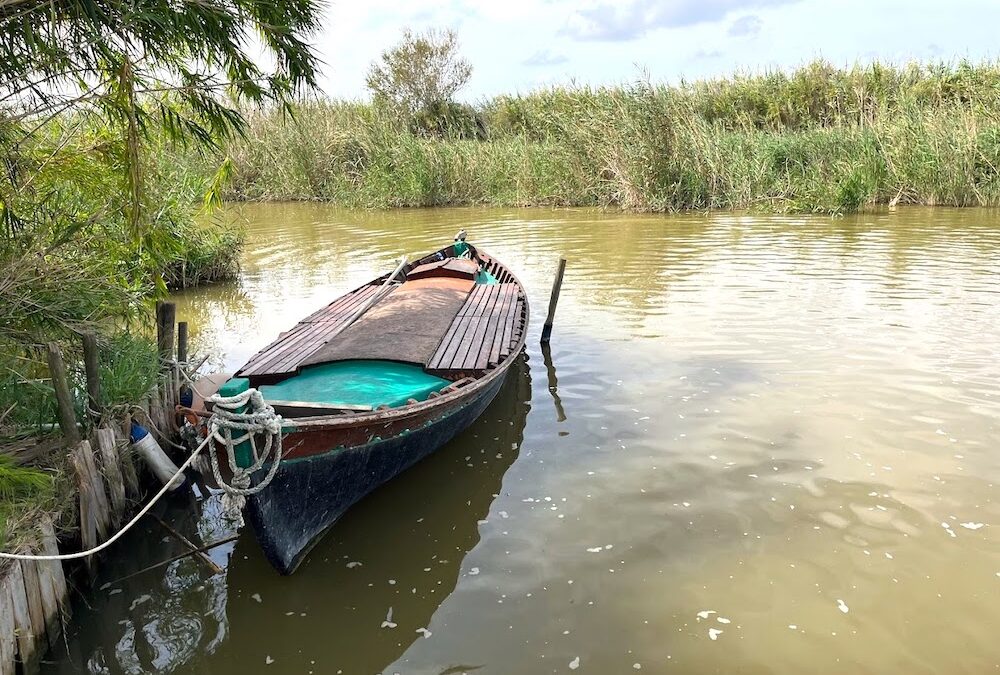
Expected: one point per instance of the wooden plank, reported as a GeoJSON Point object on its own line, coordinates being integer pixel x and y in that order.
{"type": "Point", "coordinates": [101, 503]}
{"type": "Point", "coordinates": [262, 359]}
{"type": "Point", "coordinates": [435, 359]}
{"type": "Point", "coordinates": [29, 652]}
{"type": "Point", "coordinates": [50, 547]}
{"type": "Point", "coordinates": [506, 309]}
{"type": "Point", "coordinates": [508, 319]}
{"type": "Point", "coordinates": [88, 516]}
{"type": "Point", "coordinates": [317, 335]}
{"type": "Point", "coordinates": [461, 338]}
{"type": "Point", "coordinates": [452, 337]}
{"type": "Point", "coordinates": [50, 600]}
{"type": "Point", "coordinates": [341, 304]}
{"type": "Point", "coordinates": [111, 465]}
{"type": "Point", "coordinates": [486, 354]}
{"type": "Point", "coordinates": [33, 595]}
{"type": "Point", "coordinates": [515, 336]}
{"type": "Point", "coordinates": [465, 344]}
{"type": "Point", "coordinates": [475, 343]}
{"type": "Point", "coordinates": [8, 644]}
{"type": "Point", "coordinates": [304, 339]}
{"type": "Point", "coordinates": [127, 460]}
{"type": "Point", "coordinates": [468, 326]}
{"type": "Point", "coordinates": [492, 328]}
{"type": "Point", "coordinates": [52, 583]}
{"type": "Point", "coordinates": [508, 329]}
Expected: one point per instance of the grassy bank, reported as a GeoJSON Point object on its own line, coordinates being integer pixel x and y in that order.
{"type": "Point", "coordinates": [818, 139]}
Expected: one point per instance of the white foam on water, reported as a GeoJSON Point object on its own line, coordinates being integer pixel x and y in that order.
{"type": "Point", "coordinates": [704, 614]}
{"type": "Point", "coordinates": [575, 663]}
{"type": "Point", "coordinates": [352, 565]}
{"type": "Point", "coordinates": [793, 626]}
{"type": "Point", "coordinates": [596, 549]}
{"type": "Point", "coordinates": [474, 571]}
{"type": "Point", "coordinates": [972, 526]}
{"type": "Point", "coordinates": [714, 633]}
{"type": "Point", "coordinates": [256, 596]}
{"type": "Point", "coordinates": [723, 619]}
{"type": "Point", "coordinates": [842, 606]}
{"type": "Point", "coordinates": [426, 633]}
{"type": "Point", "coordinates": [268, 660]}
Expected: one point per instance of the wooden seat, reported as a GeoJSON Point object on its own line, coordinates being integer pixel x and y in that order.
{"type": "Point", "coordinates": [482, 334]}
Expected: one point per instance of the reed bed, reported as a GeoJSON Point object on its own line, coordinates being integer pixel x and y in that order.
{"type": "Point", "coordinates": [819, 139]}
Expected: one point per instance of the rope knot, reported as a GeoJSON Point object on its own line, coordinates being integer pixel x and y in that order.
{"type": "Point", "coordinates": [235, 420]}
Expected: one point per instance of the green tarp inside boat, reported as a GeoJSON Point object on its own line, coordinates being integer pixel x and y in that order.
{"type": "Point", "coordinates": [355, 383]}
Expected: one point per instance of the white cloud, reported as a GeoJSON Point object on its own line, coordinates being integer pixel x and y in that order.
{"type": "Point", "coordinates": [511, 43]}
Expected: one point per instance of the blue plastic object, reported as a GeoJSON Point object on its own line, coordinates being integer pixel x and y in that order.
{"type": "Point", "coordinates": [137, 433]}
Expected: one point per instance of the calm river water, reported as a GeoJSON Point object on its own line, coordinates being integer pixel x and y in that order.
{"type": "Point", "coordinates": [761, 444]}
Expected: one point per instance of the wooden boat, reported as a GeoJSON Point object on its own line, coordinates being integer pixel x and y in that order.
{"type": "Point", "coordinates": [374, 382]}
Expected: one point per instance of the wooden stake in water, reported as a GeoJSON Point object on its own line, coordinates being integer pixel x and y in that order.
{"type": "Point", "coordinates": [166, 317]}
{"type": "Point", "coordinates": [553, 300]}
{"type": "Point", "coordinates": [182, 342]}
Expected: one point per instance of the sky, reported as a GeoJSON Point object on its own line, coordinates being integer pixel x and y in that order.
{"type": "Point", "coordinates": [521, 45]}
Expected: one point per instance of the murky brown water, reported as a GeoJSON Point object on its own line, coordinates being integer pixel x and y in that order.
{"type": "Point", "coordinates": [767, 444]}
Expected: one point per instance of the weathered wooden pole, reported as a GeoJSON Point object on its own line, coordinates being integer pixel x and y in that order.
{"type": "Point", "coordinates": [91, 362]}
{"type": "Point", "coordinates": [67, 416]}
{"type": "Point", "coordinates": [166, 317]}
{"type": "Point", "coordinates": [182, 341]}
{"type": "Point", "coordinates": [554, 300]}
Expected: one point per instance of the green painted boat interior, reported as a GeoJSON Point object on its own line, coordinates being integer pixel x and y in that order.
{"type": "Point", "coordinates": [485, 278]}
{"type": "Point", "coordinates": [355, 383]}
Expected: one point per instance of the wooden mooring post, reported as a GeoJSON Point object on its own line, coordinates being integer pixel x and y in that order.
{"type": "Point", "coordinates": [166, 319]}
{"type": "Point", "coordinates": [91, 365]}
{"type": "Point", "coordinates": [553, 301]}
{"type": "Point", "coordinates": [67, 415]}
{"type": "Point", "coordinates": [182, 342]}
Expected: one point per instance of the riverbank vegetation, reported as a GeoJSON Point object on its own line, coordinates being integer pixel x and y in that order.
{"type": "Point", "coordinates": [94, 226]}
{"type": "Point", "coordinates": [819, 139]}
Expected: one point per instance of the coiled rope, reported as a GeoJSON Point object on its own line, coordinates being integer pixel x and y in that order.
{"type": "Point", "coordinates": [248, 414]}
{"type": "Point", "coordinates": [228, 415]}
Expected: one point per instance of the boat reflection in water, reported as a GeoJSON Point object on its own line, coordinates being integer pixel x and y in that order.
{"type": "Point", "coordinates": [401, 549]}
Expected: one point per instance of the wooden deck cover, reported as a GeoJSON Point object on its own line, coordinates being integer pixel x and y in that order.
{"type": "Point", "coordinates": [484, 332]}
{"type": "Point", "coordinates": [457, 337]}
{"type": "Point", "coordinates": [406, 326]}
{"type": "Point", "coordinates": [283, 356]}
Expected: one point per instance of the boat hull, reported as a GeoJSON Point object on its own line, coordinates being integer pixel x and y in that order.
{"type": "Point", "coordinates": [309, 494]}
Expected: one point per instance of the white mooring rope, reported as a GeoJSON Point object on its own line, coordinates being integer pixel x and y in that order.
{"type": "Point", "coordinates": [229, 414]}
{"type": "Point", "coordinates": [225, 418]}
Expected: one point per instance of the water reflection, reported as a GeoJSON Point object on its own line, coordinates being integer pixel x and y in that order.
{"type": "Point", "coordinates": [553, 381]}
{"type": "Point", "coordinates": [365, 591]}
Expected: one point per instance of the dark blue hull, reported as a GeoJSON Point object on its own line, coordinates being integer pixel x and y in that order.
{"type": "Point", "coordinates": [309, 495]}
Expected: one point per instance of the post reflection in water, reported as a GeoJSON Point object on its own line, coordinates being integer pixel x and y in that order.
{"type": "Point", "coordinates": [553, 380]}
